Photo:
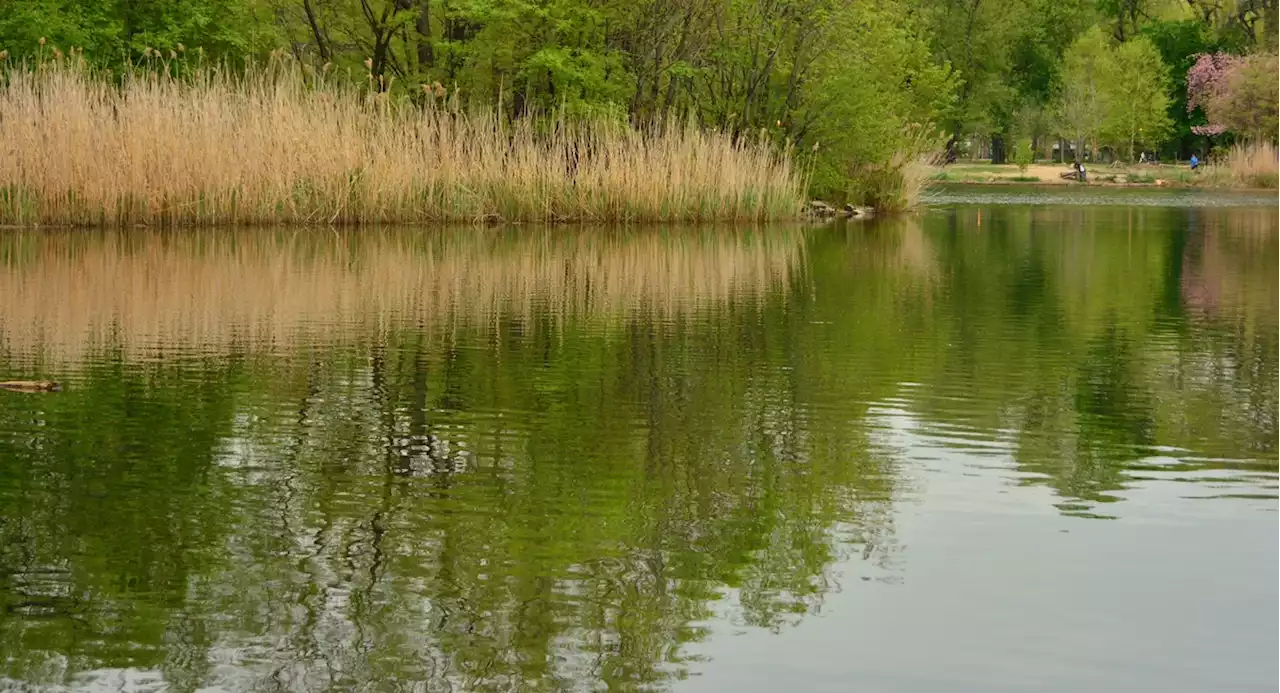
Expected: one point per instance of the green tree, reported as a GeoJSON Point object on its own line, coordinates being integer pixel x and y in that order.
{"type": "Point", "coordinates": [1179, 42]}
{"type": "Point", "coordinates": [112, 33]}
{"type": "Point", "coordinates": [855, 106]}
{"type": "Point", "coordinates": [1137, 105]}
{"type": "Point", "coordinates": [1024, 154]}
{"type": "Point", "coordinates": [1083, 97]}
{"type": "Point", "coordinates": [1248, 100]}
{"type": "Point", "coordinates": [1007, 56]}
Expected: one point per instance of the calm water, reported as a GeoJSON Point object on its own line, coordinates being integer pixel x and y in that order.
{"type": "Point", "coordinates": [994, 448]}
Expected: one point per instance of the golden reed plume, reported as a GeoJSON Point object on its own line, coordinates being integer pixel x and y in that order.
{"type": "Point", "coordinates": [278, 144]}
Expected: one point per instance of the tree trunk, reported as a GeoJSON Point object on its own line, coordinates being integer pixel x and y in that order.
{"type": "Point", "coordinates": [321, 44]}
{"type": "Point", "coordinates": [997, 149]}
{"type": "Point", "coordinates": [426, 56]}
{"type": "Point", "coordinates": [1271, 24]}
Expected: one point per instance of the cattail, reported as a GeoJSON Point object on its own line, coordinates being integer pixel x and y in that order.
{"type": "Point", "coordinates": [325, 69]}
{"type": "Point", "coordinates": [57, 54]}
{"type": "Point", "coordinates": [4, 55]}
{"type": "Point", "coordinates": [42, 40]}
{"type": "Point", "coordinates": [368, 63]}
{"type": "Point", "coordinates": [146, 51]}
{"type": "Point", "coordinates": [182, 48]}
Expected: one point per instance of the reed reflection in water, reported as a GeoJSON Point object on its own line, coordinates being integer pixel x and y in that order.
{"type": "Point", "coordinates": [207, 290]}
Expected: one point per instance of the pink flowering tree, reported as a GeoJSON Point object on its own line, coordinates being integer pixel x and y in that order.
{"type": "Point", "coordinates": [1236, 94]}
{"type": "Point", "coordinates": [1206, 80]}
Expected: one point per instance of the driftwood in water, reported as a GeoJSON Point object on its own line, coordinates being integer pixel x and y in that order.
{"type": "Point", "coordinates": [819, 209]}
{"type": "Point", "coordinates": [29, 385]}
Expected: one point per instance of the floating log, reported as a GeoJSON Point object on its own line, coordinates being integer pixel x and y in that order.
{"type": "Point", "coordinates": [29, 385]}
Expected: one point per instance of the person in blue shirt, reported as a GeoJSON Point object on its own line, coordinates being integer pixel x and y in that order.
{"type": "Point", "coordinates": [1195, 162]}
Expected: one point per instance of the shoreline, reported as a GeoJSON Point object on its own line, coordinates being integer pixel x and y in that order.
{"type": "Point", "coordinates": [1060, 183]}
{"type": "Point", "coordinates": [1122, 176]}
{"type": "Point", "coordinates": [1167, 185]}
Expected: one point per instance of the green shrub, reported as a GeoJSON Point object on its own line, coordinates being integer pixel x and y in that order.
{"type": "Point", "coordinates": [1023, 154]}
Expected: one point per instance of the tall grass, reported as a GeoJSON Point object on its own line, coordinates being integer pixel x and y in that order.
{"type": "Point", "coordinates": [277, 144]}
{"type": "Point", "coordinates": [1247, 165]}
{"type": "Point", "coordinates": [899, 184]}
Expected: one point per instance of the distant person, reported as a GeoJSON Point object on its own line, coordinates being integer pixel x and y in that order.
{"type": "Point", "coordinates": [1080, 172]}
{"type": "Point", "coordinates": [1195, 162]}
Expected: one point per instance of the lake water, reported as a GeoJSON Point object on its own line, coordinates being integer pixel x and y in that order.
{"type": "Point", "coordinates": [996, 447]}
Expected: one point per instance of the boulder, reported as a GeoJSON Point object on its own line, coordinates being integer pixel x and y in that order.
{"type": "Point", "coordinates": [818, 208]}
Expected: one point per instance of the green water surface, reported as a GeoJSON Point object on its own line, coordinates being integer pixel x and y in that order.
{"type": "Point", "coordinates": [996, 447]}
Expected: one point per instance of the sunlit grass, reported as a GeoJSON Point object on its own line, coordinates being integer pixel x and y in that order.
{"type": "Point", "coordinates": [276, 144]}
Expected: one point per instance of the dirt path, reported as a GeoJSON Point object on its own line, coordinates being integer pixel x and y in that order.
{"type": "Point", "coordinates": [1051, 174]}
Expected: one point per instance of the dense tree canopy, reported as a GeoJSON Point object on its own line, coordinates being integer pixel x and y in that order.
{"type": "Point", "coordinates": [842, 78]}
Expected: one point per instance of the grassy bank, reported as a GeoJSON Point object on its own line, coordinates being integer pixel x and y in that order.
{"type": "Point", "coordinates": [1252, 166]}
{"type": "Point", "coordinates": [275, 145]}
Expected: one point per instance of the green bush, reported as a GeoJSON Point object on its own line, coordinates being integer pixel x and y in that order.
{"type": "Point", "coordinates": [1023, 154]}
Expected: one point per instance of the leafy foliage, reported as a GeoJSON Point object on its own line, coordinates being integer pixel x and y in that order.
{"type": "Point", "coordinates": [116, 33]}
{"type": "Point", "coordinates": [852, 78]}
{"type": "Point", "coordinates": [1024, 154]}
{"type": "Point", "coordinates": [1237, 95]}
{"type": "Point", "coordinates": [1084, 97]}
{"type": "Point", "coordinates": [1114, 94]}
{"type": "Point", "coordinates": [1180, 42]}
{"type": "Point", "coordinates": [1139, 102]}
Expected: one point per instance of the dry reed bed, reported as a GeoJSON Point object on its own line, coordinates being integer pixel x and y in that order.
{"type": "Point", "coordinates": [275, 145]}
{"type": "Point", "coordinates": [1245, 165]}
{"type": "Point", "coordinates": [74, 292]}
